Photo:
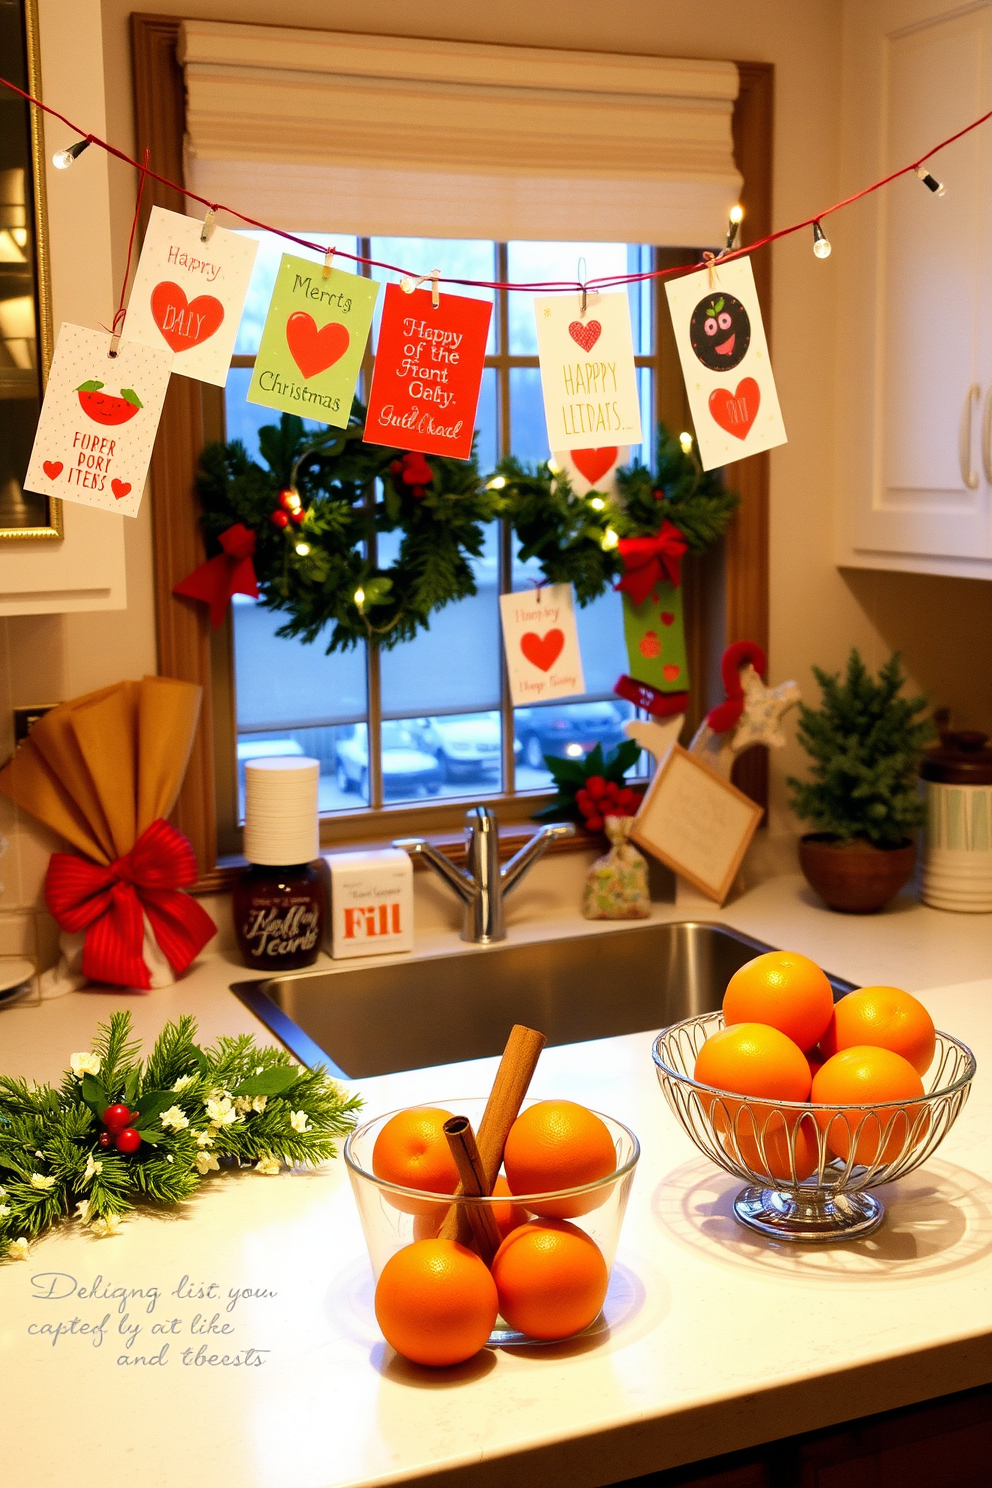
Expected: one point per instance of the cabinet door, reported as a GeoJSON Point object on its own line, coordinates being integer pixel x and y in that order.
{"type": "Point", "coordinates": [915, 355]}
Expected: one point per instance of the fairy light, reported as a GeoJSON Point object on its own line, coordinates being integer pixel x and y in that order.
{"type": "Point", "coordinates": [62, 159]}
{"type": "Point", "coordinates": [359, 597]}
{"type": "Point", "coordinates": [821, 243]}
{"type": "Point", "coordinates": [930, 182]}
{"type": "Point", "coordinates": [610, 540]}
{"type": "Point", "coordinates": [736, 218]}
{"type": "Point", "coordinates": [497, 483]}
{"type": "Point", "coordinates": [553, 466]}
{"type": "Point", "coordinates": [303, 549]}
{"type": "Point", "coordinates": [597, 503]}
{"type": "Point", "coordinates": [685, 440]}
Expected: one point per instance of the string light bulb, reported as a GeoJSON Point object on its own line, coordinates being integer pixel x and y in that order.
{"type": "Point", "coordinates": [930, 182]}
{"type": "Point", "coordinates": [303, 549]}
{"type": "Point", "coordinates": [821, 243]}
{"type": "Point", "coordinates": [685, 440]}
{"type": "Point", "coordinates": [736, 218]}
{"type": "Point", "coordinates": [497, 483]}
{"type": "Point", "coordinates": [359, 597]}
{"type": "Point", "coordinates": [553, 466]}
{"type": "Point", "coordinates": [610, 540]}
{"type": "Point", "coordinates": [62, 159]}
{"type": "Point", "coordinates": [597, 503]}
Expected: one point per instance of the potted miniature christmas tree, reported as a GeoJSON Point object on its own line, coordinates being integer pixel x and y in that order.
{"type": "Point", "coordinates": [865, 743]}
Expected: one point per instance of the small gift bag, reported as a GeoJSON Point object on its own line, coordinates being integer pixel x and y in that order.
{"type": "Point", "coordinates": [617, 884]}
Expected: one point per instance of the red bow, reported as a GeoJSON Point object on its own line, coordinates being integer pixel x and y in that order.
{"type": "Point", "coordinates": [649, 560]}
{"type": "Point", "coordinates": [231, 572]}
{"type": "Point", "coordinates": [110, 905]}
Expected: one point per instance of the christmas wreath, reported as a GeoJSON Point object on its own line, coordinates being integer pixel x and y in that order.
{"type": "Point", "coordinates": [314, 509]}
{"type": "Point", "coordinates": [120, 1130]}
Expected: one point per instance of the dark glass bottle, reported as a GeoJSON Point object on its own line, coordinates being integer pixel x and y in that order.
{"type": "Point", "coordinates": [279, 916]}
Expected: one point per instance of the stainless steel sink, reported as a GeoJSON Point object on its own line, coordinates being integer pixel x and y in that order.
{"type": "Point", "coordinates": [378, 1018]}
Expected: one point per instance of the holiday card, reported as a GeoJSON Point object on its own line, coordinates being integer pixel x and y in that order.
{"type": "Point", "coordinates": [593, 469]}
{"type": "Point", "coordinates": [724, 356]}
{"type": "Point", "coordinates": [541, 644]}
{"type": "Point", "coordinates": [189, 295]}
{"type": "Point", "coordinates": [587, 371]}
{"type": "Point", "coordinates": [313, 341]}
{"type": "Point", "coordinates": [428, 372]}
{"type": "Point", "coordinates": [98, 421]}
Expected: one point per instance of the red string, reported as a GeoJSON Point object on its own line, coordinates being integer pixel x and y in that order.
{"type": "Point", "coordinates": [118, 320]}
{"type": "Point", "coordinates": [605, 282]}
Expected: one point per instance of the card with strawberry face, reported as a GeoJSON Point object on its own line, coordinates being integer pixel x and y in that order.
{"type": "Point", "coordinates": [724, 356]}
{"type": "Point", "coordinates": [313, 341]}
{"type": "Point", "coordinates": [98, 421]}
{"type": "Point", "coordinates": [587, 371]}
{"type": "Point", "coordinates": [188, 295]}
{"type": "Point", "coordinates": [541, 644]}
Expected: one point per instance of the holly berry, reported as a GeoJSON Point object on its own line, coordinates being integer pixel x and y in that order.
{"type": "Point", "coordinates": [279, 518]}
{"type": "Point", "coordinates": [116, 1118]}
{"type": "Point", "coordinates": [288, 498]}
{"type": "Point", "coordinates": [104, 1139]}
{"type": "Point", "coordinates": [127, 1140]}
{"type": "Point", "coordinates": [298, 515]}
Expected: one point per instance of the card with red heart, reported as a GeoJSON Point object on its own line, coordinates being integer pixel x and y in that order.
{"type": "Point", "coordinates": [542, 644]}
{"type": "Point", "coordinates": [189, 295]}
{"type": "Point", "coordinates": [99, 420]}
{"type": "Point", "coordinates": [428, 372]}
{"type": "Point", "coordinates": [587, 371]}
{"type": "Point", "coordinates": [593, 469]}
{"type": "Point", "coordinates": [313, 341]}
{"type": "Point", "coordinates": [724, 356]}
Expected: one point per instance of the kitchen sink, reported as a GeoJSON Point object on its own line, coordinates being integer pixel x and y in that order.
{"type": "Point", "coordinates": [376, 1019]}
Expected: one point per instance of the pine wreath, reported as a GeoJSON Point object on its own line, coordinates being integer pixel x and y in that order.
{"type": "Point", "coordinates": [575, 538]}
{"type": "Point", "coordinates": [120, 1130]}
{"type": "Point", "coordinates": [309, 509]}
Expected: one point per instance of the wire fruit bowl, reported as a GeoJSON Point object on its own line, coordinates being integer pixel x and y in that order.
{"type": "Point", "coordinates": [809, 1167]}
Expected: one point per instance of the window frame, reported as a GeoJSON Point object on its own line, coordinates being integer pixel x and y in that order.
{"type": "Point", "coordinates": [726, 591]}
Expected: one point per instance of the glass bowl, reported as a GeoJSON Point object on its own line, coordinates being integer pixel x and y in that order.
{"type": "Point", "coordinates": [393, 1216]}
{"type": "Point", "coordinates": [809, 1167]}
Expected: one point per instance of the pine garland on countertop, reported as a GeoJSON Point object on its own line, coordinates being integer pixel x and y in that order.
{"type": "Point", "coordinates": [63, 1153]}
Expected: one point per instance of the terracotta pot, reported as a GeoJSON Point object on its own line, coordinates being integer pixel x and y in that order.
{"type": "Point", "coordinates": [855, 877]}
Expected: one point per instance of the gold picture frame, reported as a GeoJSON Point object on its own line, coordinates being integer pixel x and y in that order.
{"type": "Point", "coordinates": [29, 507]}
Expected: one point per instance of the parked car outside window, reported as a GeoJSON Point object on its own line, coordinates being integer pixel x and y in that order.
{"type": "Point", "coordinates": [407, 768]}
{"type": "Point", "coordinates": [567, 731]}
{"type": "Point", "coordinates": [467, 746]}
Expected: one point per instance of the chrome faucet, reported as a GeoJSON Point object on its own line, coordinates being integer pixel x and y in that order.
{"type": "Point", "coordinates": [484, 887]}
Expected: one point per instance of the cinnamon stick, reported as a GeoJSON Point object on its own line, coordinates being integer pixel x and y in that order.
{"type": "Point", "coordinates": [516, 1070]}
{"type": "Point", "coordinates": [485, 1231]}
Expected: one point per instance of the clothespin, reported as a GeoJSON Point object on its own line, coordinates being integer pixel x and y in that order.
{"type": "Point", "coordinates": [408, 284]}
{"type": "Point", "coordinates": [208, 224]}
{"type": "Point", "coordinates": [581, 271]}
{"type": "Point", "coordinates": [711, 260]}
{"type": "Point", "coordinates": [328, 260]}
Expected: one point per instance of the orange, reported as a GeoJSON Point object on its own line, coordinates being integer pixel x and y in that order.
{"type": "Point", "coordinates": [436, 1302]}
{"type": "Point", "coordinates": [785, 990]}
{"type": "Point", "coordinates": [411, 1149]}
{"type": "Point", "coordinates": [551, 1279]}
{"type": "Point", "coordinates": [558, 1144]}
{"type": "Point", "coordinates": [885, 1017]}
{"type": "Point", "coordinates": [868, 1075]}
{"type": "Point", "coordinates": [779, 1151]}
{"type": "Point", "coordinates": [754, 1059]}
{"type": "Point", "coordinates": [507, 1216]}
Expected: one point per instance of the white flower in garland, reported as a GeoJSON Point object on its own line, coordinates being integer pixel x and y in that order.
{"type": "Point", "coordinates": [182, 1082]}
{"type": "Point", "coordinates": [3, 1192]}
{"type": "Point", "coordinates": [206, 1162]}
{"type": "Point", "coordinates": [298, 1121]}
{"type": "Point", "coordinates": [83, 1209]}
{"type": "Point", "coordinates": [19, 1248]}
{"type": "Point", "coordinates": [106, 1226]}
{"type": "Point", "coordinates": [38, 1180]}
{"type": "Point", "coordinates": [268, 1165]}
{"type": "Point", "coordinates": [221, 1112]}
{"type": "Point", "coordinates": [259, 1103]}
{"type": "Point", "coordinates": [4, 1210]}
{"type": "Point", "coordinates": [84, 1064]}
{"type": "Point", "coordinates": [93, 1168]}
{"type": "Point", "coordinates": [174, 1119]}
{"type": "Point", "coordinates": [204, 1139]}
{"type": "Point", "coordinates": [242, 1103]}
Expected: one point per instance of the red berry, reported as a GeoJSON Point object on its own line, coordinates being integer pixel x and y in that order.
{"type": "Point", "coordinates": [596, 786]}
{"type": "Point", "coordinates": [396, 467]}
{"type": "Point", "coordinates": [584, 801]}
{"type": "Point", "coordinates": [279, 518]}
{"type": "Point", "coordinates": [299, 515]}
{"type": "Point", "coordinates": [104, 1139]}
{"type": "Point", "coordinates": [594, 823]}
{"type": "Point", "coordinates": [127, 1140]}
{"type": "Point", "coordinates": [116, 1118]}
{"type": "Point", "coordinates": [288, 498]}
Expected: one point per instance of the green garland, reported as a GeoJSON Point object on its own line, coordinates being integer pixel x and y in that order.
{"type": "Point", "coordinates": [195, 1110]}
{"type": "Point", "coordinates": [316, 570]}
{"type": "Point", "coordinates": [574, 538]}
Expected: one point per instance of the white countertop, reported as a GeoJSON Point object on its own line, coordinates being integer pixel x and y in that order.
{"type": "Point", "coordinates": [714, 1338]}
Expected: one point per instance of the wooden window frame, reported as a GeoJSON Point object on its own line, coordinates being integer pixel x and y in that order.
{"type": "Point", "coordinates": [192, 415]}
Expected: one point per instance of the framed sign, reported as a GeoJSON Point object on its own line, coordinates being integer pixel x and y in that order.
{"type": "Point", "coordinates": [25, 296]}
{"type": "Point", "coordinates": [696, 822]}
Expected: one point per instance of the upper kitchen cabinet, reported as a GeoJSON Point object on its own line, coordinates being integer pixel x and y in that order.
{"type": "Point", "coordinates": [915, 293]}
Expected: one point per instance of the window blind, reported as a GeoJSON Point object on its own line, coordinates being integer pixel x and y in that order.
{"type": "Point", "coordinates": [395, 136]}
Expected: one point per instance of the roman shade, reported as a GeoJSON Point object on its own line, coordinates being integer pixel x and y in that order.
{"type": "Point", "coordinates": [383, 135]}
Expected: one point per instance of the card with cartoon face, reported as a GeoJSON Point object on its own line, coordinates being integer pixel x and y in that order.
{"type": "Point", "coordinates": [99, 420]}
{"type": "Point", "coordinates": [587, 371]}
{"type": "Point", "coordinates": [724, 355]}
{"type": "Point", "coordinates": [188, 295]}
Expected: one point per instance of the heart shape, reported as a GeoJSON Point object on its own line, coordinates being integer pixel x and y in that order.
{"type": "Point", "coordinates": [314, 351]}
{"type": "Point", "coordinates": [120, 488]}
{"type": "Point", "coordinates": [542, 651]}
{"type": "Point", "coordinates": [587, 335]}
{"type": "Point", "coordinates": [184, 323]}
{"type": "Point", "coordinates": [593, 463]}
{"type": "Point", "coordinates": [736, 412]}
{"type": "Point", "coordinates": [52, 468]}
{"type": "Point", "coordinates": [670, 672]}
{"type": "Point", "coordinates": [667, 618]}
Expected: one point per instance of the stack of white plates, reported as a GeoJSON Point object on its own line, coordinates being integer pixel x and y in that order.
{"type": "Point", "coordinates": [281, 821]}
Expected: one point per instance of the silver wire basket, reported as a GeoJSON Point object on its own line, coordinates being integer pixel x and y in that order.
{"type": "Point", "coordinates": [809, 1167]}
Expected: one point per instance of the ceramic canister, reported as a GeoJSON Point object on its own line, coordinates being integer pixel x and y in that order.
{"type": "Point", "coordinates": [957, 853]}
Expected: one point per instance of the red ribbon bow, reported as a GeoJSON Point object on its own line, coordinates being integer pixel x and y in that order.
{"type": "Point", "coordinates": [649, 560]}
{"type": "Point", "coordinates": [110, 904]}
{"type": "Point", "coordinates": [231, 572]}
